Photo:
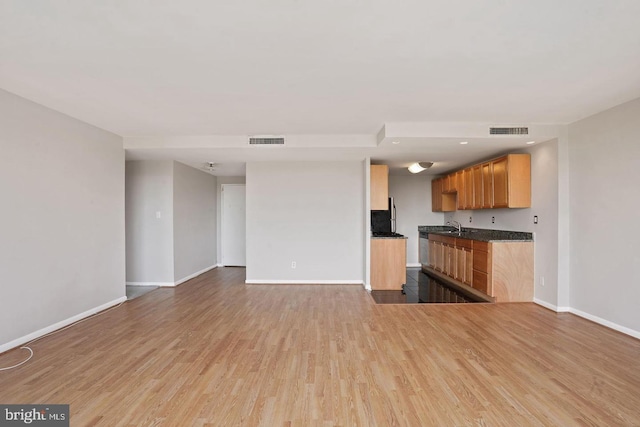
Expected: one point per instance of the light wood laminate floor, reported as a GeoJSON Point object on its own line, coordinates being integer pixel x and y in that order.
{"type": "Point", "coordinates": [217, 352]}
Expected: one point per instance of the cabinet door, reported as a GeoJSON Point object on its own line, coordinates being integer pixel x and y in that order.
{"type": "Point", "coordinates": [450, 261]}
{"type": "Point", "coordinates": [468, 188]}
{"type": "Point", "coordinates": [468, 267]}
{"type": "Point", "coordinates": [453, 182]}
{"type": "Point", "coordinates": [487, 187]}
{"type": "Point", "coordinates": [460, 267]}
{"type": "Point", "coordinates": [460, 190]}
{"type": "Point", "coordinates": [437, 256]}
{"type": "Point", "coordinates": [432, 254]}
{"type": "Point", "coordinates": [477, 186]}
{"type": "Point", "coordinates": [446, 184]}
{"type": "Point", "coordinates": [436, 195]}
{"type": "Point", "coordinates": [500, 184]}
{"type": "Point", "coordinates": [379, 187]}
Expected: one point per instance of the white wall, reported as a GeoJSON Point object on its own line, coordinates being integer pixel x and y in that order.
{"type": "Point", "coordinates": [223, 180]}
{"type": "Point", "coordinates": [412, 197]}
{"type": "Point", "coordinates": [308, 212]}
{"type": "Point", "coordinates": [149, 190]}
{"type": "Point", "coordinates": [605, 200]}
{"type": "Point", "coordinates": [544, 204]}
{"type": "Point", "coordinates": [194, 221]}
{"type": "Point", "coordinates": [62, 244]}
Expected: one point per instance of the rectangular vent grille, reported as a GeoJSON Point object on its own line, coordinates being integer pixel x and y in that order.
{"type": "Point", "coordinates": [268, 140]}
{"type": "Point", "coordinates": [508, 131]}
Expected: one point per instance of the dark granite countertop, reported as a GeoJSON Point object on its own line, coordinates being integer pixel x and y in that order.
{"type": "Point", "coordinates": [389, 237]}
{"type": "Point", "coordinates": [484, 235]}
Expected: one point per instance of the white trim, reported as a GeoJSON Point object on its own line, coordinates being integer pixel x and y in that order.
{"type": "Point", "coordinates": [304, 282]}
{"type": "Point", "coordinates": [413, 264]}
{"type": "Point", "coordinates": [591, 317]}
{"type": "Point", "coordinates": [551, 306]}
{"type": "Point", "coordinates": [44, 331]}
{"type": "Point", "coordinates": [607, 323]}
{"type": "Point", "coordinates": [144, 284]}
{"type": "Point", "coordinates": [196, 274]}
{"type": "Point", "coordinates": [160, 284]}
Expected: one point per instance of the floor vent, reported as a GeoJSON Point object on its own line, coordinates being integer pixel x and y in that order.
{"type": "Point", "coordinates": [508, 131]}
{"type": "Point", "coordinates": [266, 140]}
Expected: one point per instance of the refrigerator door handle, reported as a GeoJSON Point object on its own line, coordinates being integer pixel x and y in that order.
{"type": "Point", "coordinates": [393, 219]}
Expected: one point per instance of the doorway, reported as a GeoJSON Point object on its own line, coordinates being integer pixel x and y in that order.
{"type": "Point", "coordinates": [233, 221]}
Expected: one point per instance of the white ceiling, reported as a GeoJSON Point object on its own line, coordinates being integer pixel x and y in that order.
{"type": "Point", "coordinates": [169, 68]}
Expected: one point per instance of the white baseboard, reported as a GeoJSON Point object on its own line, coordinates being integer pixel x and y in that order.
{"type": "Point", "coordinates": [44, 331]}
{"type": "Point", "coordinates": [591, 317]}
{"type": "Point", "coordinates": [607, 323]}
{"type": "Point", "coordinates": [304, 282]}
{"type": "Point", "coordinates": [551, 307]}
{"type": "Point", "coordinates": [413, 264]}
{"type": "Point", "coordinates": [176, 283]}
{"type": "Point", "coordinates": [160, 284]}
{"type": "Point", "coordinates": [196, 274]}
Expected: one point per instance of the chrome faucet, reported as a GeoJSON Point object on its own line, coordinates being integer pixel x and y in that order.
{"type": "Point", "coordinates": [456, 225]}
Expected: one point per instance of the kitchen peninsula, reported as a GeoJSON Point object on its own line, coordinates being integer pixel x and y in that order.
{"type": "Point", "coordinates": [388, 262]}
{"type": "Point", "coordinates": [493, 263]}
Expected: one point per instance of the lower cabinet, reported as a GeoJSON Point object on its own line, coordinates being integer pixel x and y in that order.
{"type": "Point", "coordinates": [388, 264]}
{"type": "Point", "coordinates": [502, 270]}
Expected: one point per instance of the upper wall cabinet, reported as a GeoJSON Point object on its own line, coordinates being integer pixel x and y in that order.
{"type": "Point", "coordinates": [504, 182]}
{"type": "Point", "coordinates": [379, 187]}
{"type": "Point", "coordinates": [511, 181]}
{"type": "Point", "coordinates": [440, 201]}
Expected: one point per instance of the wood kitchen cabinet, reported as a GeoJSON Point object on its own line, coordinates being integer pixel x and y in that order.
{"type": "Point", "coordinates": [487, 186]}
{"type": "Point", "coordinates": [481, 279]}
{"type": "Point", "coordinates": [468, 188]}
{"type": "Point", "coordinates": [504, 182]}
{"type": "Point", "coordinates": [476, 177]}
{"type": "Point", "coordinates": [502, 270]}
{"type": "Point", "coordinates": [449, 183]}
{"type": "Point", "coordinates": [379, 179]}
{"type": "Point", "coordinates": [464, 261]}
{"type": "Point", "coordinates": [441, 202]}
{"type": "Point", "coordinates": [512, 181]}
{"type": "Point", "coordinates": [388, 264]}
{"type": "Point", "coordinates": [460, 197]}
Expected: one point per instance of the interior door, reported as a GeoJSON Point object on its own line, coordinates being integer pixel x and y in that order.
{"type": "Point", "coordinates": [233, 233]}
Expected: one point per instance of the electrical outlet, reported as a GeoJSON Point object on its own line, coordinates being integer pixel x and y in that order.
{"type": "Point", "coordinates": [158, 214]}
{"type": "Point", "coordinates": [542, 281]}
{"type": "Point", "coordinates": [535, 219]}
{"type": "Point", "coordinates": [293, 265]}
{"type": "Point", "coordinates": [493, 220]}
{"type": "Point", "coordinates": [469, 219]}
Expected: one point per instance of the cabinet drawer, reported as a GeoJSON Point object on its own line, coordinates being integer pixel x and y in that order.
{"type": "Point", "coordinates": [480, 261]}
{"type": "Point", "coordinates": [480, 246]}
{"type": "Point", "coordinates": [480, 281]}
{"type": "Point", "coordinates": [444, 239]}
{"type": "Point", "coordinates": [464, 243]}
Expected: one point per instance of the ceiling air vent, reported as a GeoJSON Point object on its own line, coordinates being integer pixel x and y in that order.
{"type": "Point", "coordinates": [266, 140]}
{"type": "Point", "coordinates": [508, 131]}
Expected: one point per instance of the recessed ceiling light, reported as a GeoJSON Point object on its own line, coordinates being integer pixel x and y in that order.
{"type": "Point", "coordinates": [464, 142]}
{"type": "Point", "coordinates": [395, 142]}
{"type": "Point", "coordinates": [531, 142]}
